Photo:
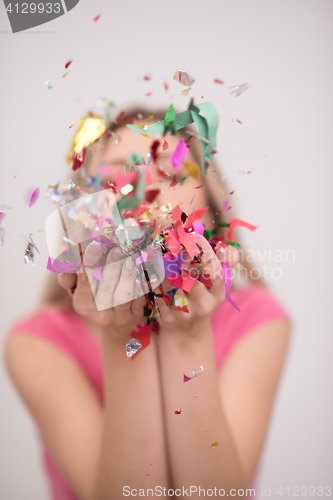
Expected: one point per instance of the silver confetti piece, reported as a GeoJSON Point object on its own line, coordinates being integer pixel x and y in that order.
{"type": "Point", "coordinates": [132, 347]}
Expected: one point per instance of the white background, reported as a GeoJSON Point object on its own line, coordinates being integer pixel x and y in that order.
{"type": "Point", "coordinates": [284, 50]}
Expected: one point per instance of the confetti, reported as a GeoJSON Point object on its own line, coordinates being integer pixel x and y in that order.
{"type": "Point", "coordinates": [239, 89]}
{"type": "Point", "coordinates": [185, 92]}
{"type": "Point", "coordinates": [215, 443]}
{"type": "Point", "coordinates": [31, 196]}
{"type": "Point", "coordinates": [184, 78]}
{"type": "Point", "coordinates": [178, 412]}
{"type": "Point", "coordinates": [2, 230]}
{"type": "Point", "coordinates": [147, 77]}
{"type": "Point", "coordinates": [192, 169]}
{"type": "Point", "coordinates": [173, 182]}
{"type": "Point", "coordinates": [195, 372]}
{"type": "Point", "coordinates": [179, 154]}
{"type": "Point", "coordinates": [97, 17]}
{"type": "Point", "coordinates": [217, 80]}
{"type": "Point", "coordinates": [132, 347]}
{"type": "Point", "coordinates": [166, 86]}
{"type": "Point", "coordinates": [68, 64]}
{"type": "Point", "coordinates": [48, 85]}
{"type": "Point", "coordinates": [29, 251]}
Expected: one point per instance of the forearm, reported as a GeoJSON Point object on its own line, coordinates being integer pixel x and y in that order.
{"type": "Point", "coordinates": [202, 421]}
{"type": "Point", "coordinates": [133, 446]}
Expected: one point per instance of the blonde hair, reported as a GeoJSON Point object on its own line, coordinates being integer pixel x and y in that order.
{"type": "Point", "coordinates": [53, 294]}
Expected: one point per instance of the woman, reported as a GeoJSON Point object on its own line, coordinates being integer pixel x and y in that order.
{"type": "Point", "coordinates": [112, 427]}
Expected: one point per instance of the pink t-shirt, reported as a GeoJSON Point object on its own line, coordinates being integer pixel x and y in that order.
{"type": "Point", "coordinates": [69, 333]}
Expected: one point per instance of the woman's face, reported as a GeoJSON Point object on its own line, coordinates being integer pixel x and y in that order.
{"type": "Point", "coordinates": [126, 142]}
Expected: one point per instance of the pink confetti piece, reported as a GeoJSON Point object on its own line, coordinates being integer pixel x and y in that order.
{"type": "Point", "coordinates": [2, 216]}
{"type": "Point", "coordinates": [142, 258]}
{"type": "Point", "coordinates": [31, 196]}
{"type": "Point", "coordinates": [97, 17]}
{"type": "Point", "coordinates": [198, 228]}
{"type": "Point", "coordinates": [179, 154]}
{"type": "Point", "coordinates": [226, 205]}
{"type": "Point", "coordinates": [227, 284]}
{"type": "Point", "coordinates": [98, 273]}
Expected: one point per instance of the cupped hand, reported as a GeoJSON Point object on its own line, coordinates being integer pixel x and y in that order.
{"type": "Point", "coordinates": [201, 300]}
{"type": "Point", "coordinates": [116, 303]}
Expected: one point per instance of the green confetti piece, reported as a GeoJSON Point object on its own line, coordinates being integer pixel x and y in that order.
{"type": "Point", "coordinates": [136, 158]}
{"type": "Point", "coordinates": [223, 223]}
{"type": "Point", "coordinates": [233, 244]}
{"type": "Point", "coordinates": [208, 234]}
{"type": "Point", "coordinates": [183, 180]}
{"type": "Point", "coordinates": [204, 116]}
{"type": "Point", "coordinates": [128, 188]}
{"type": "Point", "coordinates": [170, 119]}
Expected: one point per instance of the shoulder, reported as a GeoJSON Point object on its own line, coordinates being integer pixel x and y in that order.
{"type": "Point", "coordinates": [61, 329]}
{"type": "Point", "coordinates": [258, 307]}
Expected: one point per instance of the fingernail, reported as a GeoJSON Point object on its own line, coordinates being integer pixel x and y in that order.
{"type": "Point", "coordinates": [94, 248]}
{"type": "Point", "coordinates": [117, 254]}
{"type": "Point", "coordinates": [129, 263]}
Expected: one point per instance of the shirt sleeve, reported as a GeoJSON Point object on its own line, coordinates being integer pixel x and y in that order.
{"type": "Point", "coordinates": [56, 326]}
{"type": "Point", "coordinates": [257, 304]}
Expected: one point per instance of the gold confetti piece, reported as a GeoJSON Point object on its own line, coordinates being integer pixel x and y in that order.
{"type": "Point", "coordinates": [215, 444]}
{"type": "Point", "coordinates": [222, 191]}
{"type": "Point", "coordinates": [185, 92]}
{"type": "Point", "coordinates": [196, 397]}
{"type": "Point", "coordinates": [144, 127]}
{"type": "Point", "coordinates": [150, 118]}
{"type": "Point", "coordinates": [145, 135]}
{"type": "Point", "coordinates": [205, 431]}
{"type": "Point", "coordinates": [91, 127]}
{"type": "Point", "coordinates": [192, 169]}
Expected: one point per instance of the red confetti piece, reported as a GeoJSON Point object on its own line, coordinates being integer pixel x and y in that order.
{"type": "Point", "coordinates": [97, 17]}
{"type": "Point", "coordinates": [153, 150]}
{"type": "Point", "coordinates": [121, 117]}
{"type": "Point", "coordinates": [166, 86]}
{"type": "Point", "coordinates": [177, 412]}
{"type": "Point", "coordinates": [217, 80]}
{"type": "Point", "coordinates": [239, 121]}
{"type": "Point", "coordinates": [238, 223]}
{"type": "Point", "coordinates": [199, 186]}
{"type": "Point", "coordinates": [165, 145]}
{"type": "Point", "coordinates": [71, 126]}
{"type": "Point", "coordinates": [162, 173]}
{"type": "Point", "coordinates": [78, 159]}
{"type": "Point", "coordinates": [143, 334]}
{"type": "Point", "coordinates": [151, 195]}
{"type": "Point", "coordinates": [111, 185]}
{"type": "Point", "coordinates": [173, 182]}
{"type": "Point", "coordinates": [149, 93]}
{"type": "Point", "coordinates": [68, 64]}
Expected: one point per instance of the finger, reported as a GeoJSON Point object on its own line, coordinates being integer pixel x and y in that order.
{"type": "Point", "coordinates": [110, 277]}
{"type": "Point", "coordinates": [67, 281]}
{"type": "Point", "coordinates": [91, 259]}
{"type": "Point", "coordinates": [139, 302]}
{"type": "Point", "coordinates": [212, 265]}
{"type": "Point", "coordinates": [86, 283]}
{"type": "Point", "coordinates": [124, 292]}
{"type": "Point", "coordinates": [229, 254]}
